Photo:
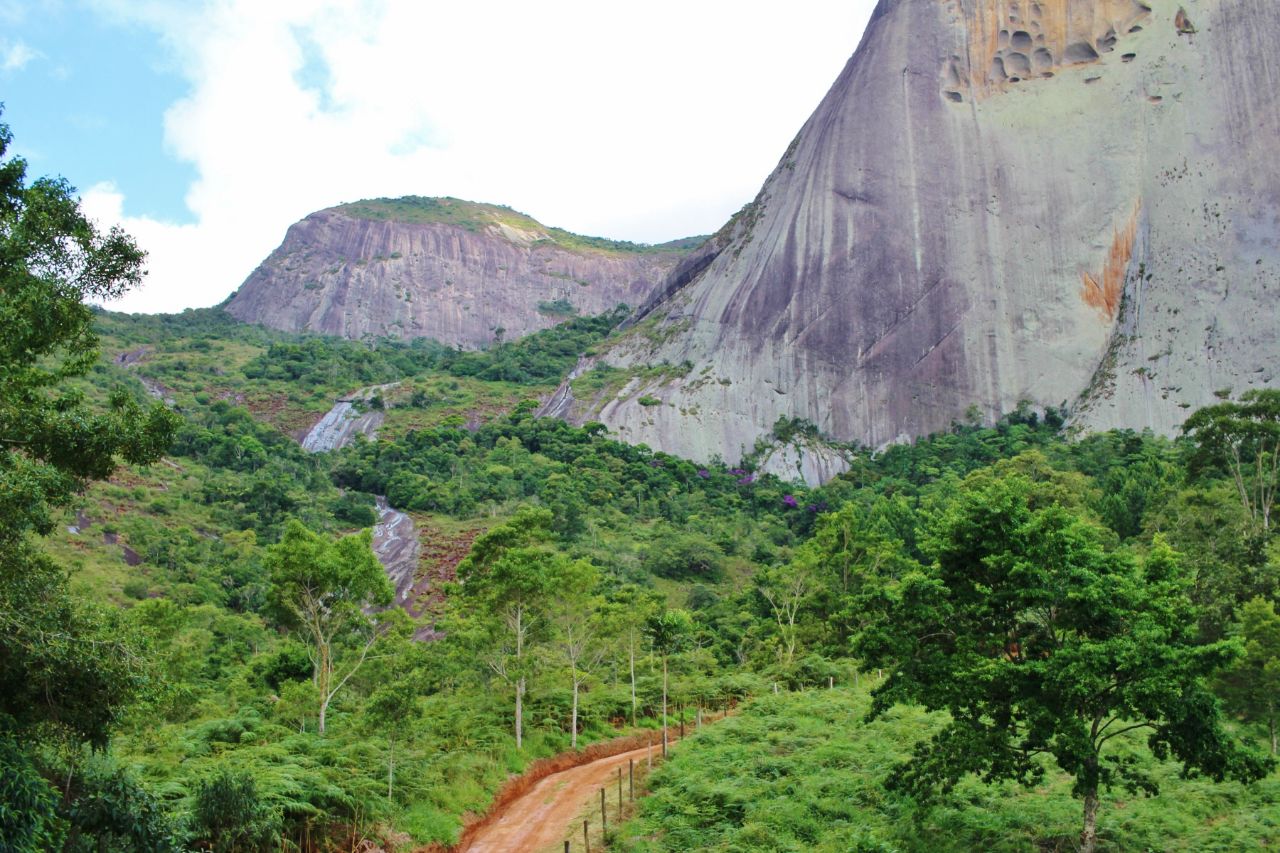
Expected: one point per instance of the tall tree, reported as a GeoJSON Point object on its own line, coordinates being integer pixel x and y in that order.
{"type": "Point", "coordinates": [625, 615]}
{"type": "Point", "coordinates": [321, 589]}
{"type": "Point", "coordinates": [1040, 640]}
{"type": "Point", "coordinates": [785, 589]}
{"type": "Point", "coordinates": [506, 584]}
{"type": "Point", "coordinates": [67, 670]}
{"type": "Point", "coordinates": [669, 632]}
{"type": "Point", "coordinates": [576, 616]}
{"type": "Point", "coordinates": [1244, 437]}
{"type": "Point", "coordinates": [390, 709]}
{"type": "Point", "coordinates": [1252, 686]}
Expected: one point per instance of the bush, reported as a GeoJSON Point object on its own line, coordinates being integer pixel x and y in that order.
{"type": "Point", "coordinates": [228, 815]}
{"type": "Point", "coordinates": [685, 557]}
{"type": "Point", "coordinates": [355, 508]}
{"type": "Point", "coordinates": [28, 818]}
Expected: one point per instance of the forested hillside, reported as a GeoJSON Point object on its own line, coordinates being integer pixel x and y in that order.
{"type": "Point", "coordinates": [202, 651]}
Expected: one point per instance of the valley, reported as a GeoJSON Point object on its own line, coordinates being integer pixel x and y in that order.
{"type": "Point", "coordinates": [942, 477]}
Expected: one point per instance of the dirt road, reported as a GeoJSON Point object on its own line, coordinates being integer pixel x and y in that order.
{"type": "Point", "coordinates": [539, 820]}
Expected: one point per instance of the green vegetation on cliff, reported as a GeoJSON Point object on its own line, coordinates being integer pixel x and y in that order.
{"type": "Point", "coordinates": [477, 216]}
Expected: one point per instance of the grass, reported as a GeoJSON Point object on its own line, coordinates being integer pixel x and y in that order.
{"type": "Point", "coordinates": [432, 400]}
{"type": "Point", "coordinates": [804, 772]}
{"type": "Point", "coordinates": [476, 216]}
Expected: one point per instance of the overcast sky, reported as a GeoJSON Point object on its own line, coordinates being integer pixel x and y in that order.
{"type": "Point", "coordinates": [206, 128]}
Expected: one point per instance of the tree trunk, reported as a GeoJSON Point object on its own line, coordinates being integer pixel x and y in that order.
{"type": "Point", "coordinates": [664, 706]}
{"type": "Point", "coordinates": [1089, 837]}
{"type": "Point", "coordinates": [520, 680]}
{"type": "Point", "coordinates": [324, 675]}
{"type": "Point", "coordinates": [391, 766]}
{"type": "Point", "coordinates": [632, 650]}
{"type": "Point", "coordinates": [573, 720]}
{"type": "Point", "coordinates": [520, 713]}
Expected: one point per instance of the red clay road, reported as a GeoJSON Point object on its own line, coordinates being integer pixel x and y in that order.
{"type": "Point", "coordinates": [540, 819]}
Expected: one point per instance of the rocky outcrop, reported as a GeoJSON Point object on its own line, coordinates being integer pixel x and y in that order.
{"type": "Point", "coordinates": [1057, 201]}
{"type": "Point", "coordinates": [339, 426]}
{"type": "Point", "coordinates": [395, 542]}
{"type": "Point", "coordinates": [464, 274]}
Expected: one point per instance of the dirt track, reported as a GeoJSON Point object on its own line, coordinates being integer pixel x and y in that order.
{"type": "Point", "coordinates": [539, 820]}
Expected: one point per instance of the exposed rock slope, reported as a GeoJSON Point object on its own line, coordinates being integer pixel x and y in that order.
{"type": "Point", "coordinates": [442, 268]}
{"type": "Point", "coordinates": [999, 200]}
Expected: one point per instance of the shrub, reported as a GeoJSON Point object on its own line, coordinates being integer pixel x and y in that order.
{"type": "Point", "coordinates": [228, 814]}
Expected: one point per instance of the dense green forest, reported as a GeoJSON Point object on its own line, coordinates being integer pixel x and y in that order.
{"type": "Point", "coordinates": [1036, 639]}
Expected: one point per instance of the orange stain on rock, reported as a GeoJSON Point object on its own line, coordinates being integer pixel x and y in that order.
{"type": "Point", "coordinates": [1105, 292]}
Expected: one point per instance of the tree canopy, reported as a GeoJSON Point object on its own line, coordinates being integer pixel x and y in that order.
{"type": "Point", "coordinates": [1041, 638]}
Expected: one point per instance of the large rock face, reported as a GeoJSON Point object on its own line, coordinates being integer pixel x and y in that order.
{"type": "Point", "coordinates": [1058, 201]}
{"type": "Point", "coordinates": [441, 268]}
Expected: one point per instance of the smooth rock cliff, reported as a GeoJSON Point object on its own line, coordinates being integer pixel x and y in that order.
{"type": "Point", "coordinates": [446, 269]}
{"type": "Point", "coordinates": [1059, 201]}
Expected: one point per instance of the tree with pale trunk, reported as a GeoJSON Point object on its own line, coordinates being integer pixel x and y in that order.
{"type": "Point", "coordinates": [669, 633]}
{"type": "Point", "coordinates": [322, 589]}
{"type": "Point", "coordinates": [507, 585]}
{"type": "Point", "coordinates": [625, 615]}
{"type": "Point", "coordinates": [1244, 437]}
{"type": "Point", "coordinates": [1042, 641]}
{"type": "Point", "coordinates": [392, 709]}
{"type": "Point", "coordinates": [576, 618]}
{"type": "Point", "coordinates": [1252, 686]}
{"type": "Point", "coordinates": [785, 589]}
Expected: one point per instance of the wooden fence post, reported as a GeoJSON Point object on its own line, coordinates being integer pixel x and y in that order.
{"type": "Point", "coordinates": [619, 796]}
{"type": "Point", "coordinates": [604, 814]}
{"type": "Point", "coordinates": [566, 845]}
{"type": "Point", "coordinates": [586, 837]}
{"type": "Point", "coordinates": [631, 779]}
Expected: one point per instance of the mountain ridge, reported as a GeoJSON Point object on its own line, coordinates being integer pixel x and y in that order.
{"type": "Point", "coordinates": [912, 256]}
{"type": "Point", "coordinates": [463, 273]}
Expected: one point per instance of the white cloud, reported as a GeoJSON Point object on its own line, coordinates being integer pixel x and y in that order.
{"type": "Point", "coordinates": [643, 122]}
{"type": "Point", "coordinates": [14, 56]}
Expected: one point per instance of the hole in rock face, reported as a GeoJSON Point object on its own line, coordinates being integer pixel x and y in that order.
{"type": "Point", "coordinates": [997, 69]}
{"type": "Point", "coordinates": [1021, 40]}
{"type": "Point", "coordinates": [954, 96]}
{"type": "Point", "coordinates": [1129, 57]}
{"type": "Point", "coordinates": [1042, 58]}
{"type": "Point", "coordinates": [1136, 28]}
{"type": "Point", "coordinates": [1037, 10]}
{"type": "Point", "coordinates": [1088, 80]}
{"type": "Point", "coordinates": [1108, 42]}
{"type": "Point", "coordinates": [1155, 99]}
{"type": "Point", "coordinates": [1047, 74]}
{"type": "Point", "coordinates": [1003, 38]}
{"type": "Point", "coordinates": [1017, 63]}
{"type": "Point", "coordinates": [1080, 51]}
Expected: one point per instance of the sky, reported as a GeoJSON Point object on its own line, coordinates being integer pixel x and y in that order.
{"type": "Point", "coordinates": [206, 127]}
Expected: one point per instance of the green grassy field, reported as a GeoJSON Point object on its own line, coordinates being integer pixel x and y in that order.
{"type": "Point", "coordinates": [804, 772]}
